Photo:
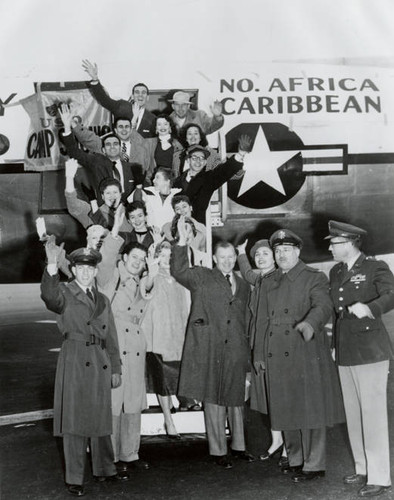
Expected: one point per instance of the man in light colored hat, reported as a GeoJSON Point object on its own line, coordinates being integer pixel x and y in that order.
{"type": "Point", "coordinates": [362, 290]}
{"type": "Point", "coordinates": [88, 365]}
{"type": "Point", "coordinates": [182, 114]}
{"type": "Point", "coordinates": [302, 383]}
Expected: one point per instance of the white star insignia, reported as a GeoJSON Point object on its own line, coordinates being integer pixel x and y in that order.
{"type": "Point", "coordinates": [262, 164]}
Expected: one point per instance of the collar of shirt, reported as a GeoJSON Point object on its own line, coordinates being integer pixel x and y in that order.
{"type": "Point", "coordinates": [351, 262]}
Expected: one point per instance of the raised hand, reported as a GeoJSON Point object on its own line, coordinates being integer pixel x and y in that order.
{"type": "Point", "coordinates": [216, 108]}
{"type": "Point", "coordinates": [71, 167]}
{"type": "Point", "coordinates": [90, 68]}
{"type": "Point", "coordinates": [242, 247]}
{"type": "Point", "coordinates": [244, 144]}
{"type": "Point", "coordinates": [51, 250]}
{"type": "Point", "coordinates": [66, 116]}
{"type": "Point", "coordinates": [157, 236]}
{"type": "Point", "coordinates": [152, 262]}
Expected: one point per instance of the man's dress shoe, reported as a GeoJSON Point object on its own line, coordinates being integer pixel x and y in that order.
{"type": "Point", "coordinates": [302, 476]}
{"type": "Point", "coordinates": [243, 455]}
{"type": "Point", "coordinates": [76, 490]}
{"type": "Point", "coordinates": [288, 469]}
{"type": "Point", "coordinates": [372, 490]}
{"type": "Point", "coordinates": [120, 476]}
{"type": "Point", "coordinates": [355, 479]}
{"type": "Point", "coordinates": [224, 462]}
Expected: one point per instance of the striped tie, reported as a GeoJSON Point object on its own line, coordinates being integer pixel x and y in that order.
{"type": "Point", "coordinates": [125, 156]}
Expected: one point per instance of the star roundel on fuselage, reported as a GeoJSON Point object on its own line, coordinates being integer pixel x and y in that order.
{"type": "Point", "coordinates": [273, 169]}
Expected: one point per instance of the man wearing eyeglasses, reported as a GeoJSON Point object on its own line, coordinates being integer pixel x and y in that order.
{"type": "Point", "coordinates": [362, 289]}
{"type": "Point", "coordinates": [199, 184]}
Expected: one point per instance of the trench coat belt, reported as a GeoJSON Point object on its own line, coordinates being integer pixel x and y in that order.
{"type": "Point", "coordinates": [88, 339]}
{"type": "Point", "coordinates": [280, 321]}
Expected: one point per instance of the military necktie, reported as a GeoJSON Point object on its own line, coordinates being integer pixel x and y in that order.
{"type": "Point", "coordinates": [89, 293]}
{"type": "Point", "coordinates": [125, 156]}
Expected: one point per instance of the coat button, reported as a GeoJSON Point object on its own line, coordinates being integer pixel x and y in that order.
{"type": "Point", "coordinates": [367, 327]}
{"type": "Point", "coordinates": [124, 352]}
{"type": "Point", "coordinates": [138, 332]}
{"type": "Point", "coordinates": [141, 311]}
{"type": "Point", "coordinates": [287, 332]}
{"type": "Point", "coordinates": [138, 353]}
{"type": "Point", "coordinates": [105, 367]}
{"type": "Point", "coordinates": [286, 311]}
{"type": "Point", "coordinates": [103, 327]}
{"type": "Point", "coordinates": [270, 334]}
{"type": "Point", "coordinates": [341, 289]}
{"type": "Point", "coordinates": [272, 313]}
{"type": "Point", "coordinates": [228, 321]}
{"type": "Point", "coordinates": [286, 353]}
{"type": "Point", "coordinates": [226, 341]}
{"type": "Point", "coordinates": [341, 298]}
{"type": "Point", "coordinates": [127, 329]}
{"type": "Point", "coordinates": [87, 363]}
{"type": "Point", "coordinates": [129, 308]}
{"type": "Point", "coordinates": [270, 354]}
{"type": "Point", "coordinates": [340, 308]}
{"type": "Point", "coordinates": [88, 323]}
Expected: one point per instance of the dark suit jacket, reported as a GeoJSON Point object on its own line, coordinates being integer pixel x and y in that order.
{"type": "Point", "coordinates": [365, 340]}
{"type": "Point", "coordinates": [95, 168]}
{"type": "Point", "coordinates": [202, 186]}
{"type": "Point", "coordinates": [123, 108]}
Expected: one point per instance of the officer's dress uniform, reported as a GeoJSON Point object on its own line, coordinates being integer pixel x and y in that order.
{"type": "Point", "coordinates": [363, 351]}
{"type": "Point", "coordinates": [88, 357]}
{"type": "Point", "coordinates": [129, 399]}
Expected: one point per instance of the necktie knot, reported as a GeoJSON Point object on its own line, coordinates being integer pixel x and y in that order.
{"type": "Point", "coordinates": [228, 278]}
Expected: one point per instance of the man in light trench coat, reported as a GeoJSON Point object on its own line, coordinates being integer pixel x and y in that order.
{"type": "Point", "coordinates": [119, 280]}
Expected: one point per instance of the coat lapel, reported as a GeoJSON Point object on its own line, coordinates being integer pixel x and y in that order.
{"type": "Point", "coordinates": [222, 282]}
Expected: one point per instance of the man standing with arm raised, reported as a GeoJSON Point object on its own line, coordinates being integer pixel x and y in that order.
{"type": "Point", "coordinates": [215, 356]}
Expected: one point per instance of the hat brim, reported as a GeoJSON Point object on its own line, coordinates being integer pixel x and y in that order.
{"type": "Point", "coordinates": [180, 102]}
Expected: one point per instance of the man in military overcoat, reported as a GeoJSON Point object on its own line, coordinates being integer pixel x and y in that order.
{"type": "Point", "coordinates": [362, 289]}
{"type": "Point", "coordinates": [88, 364]}
{"type": "Point", "coordinates": [302, 382]}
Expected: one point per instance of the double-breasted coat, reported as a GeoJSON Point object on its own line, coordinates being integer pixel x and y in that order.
{"type": "Point", "coordinates": [302, 382]}
{"type": "Point", "coordinates": [82, 401]}
{"type": "Point", "coordinates": [365, 340]}
{"type": "Point", "coordinates": [123, 290]}
{"type": "Point", "coordinates": [215, 355]}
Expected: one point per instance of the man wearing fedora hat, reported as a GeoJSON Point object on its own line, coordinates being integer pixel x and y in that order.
{"type": "Point", "coordinates": [88, 365]}
{"type": "Point", "coordinates": [302, 384]}
{"type": "Point", "coordinates": [183, 115]}
{"type": "Point", "coordinates": [362, 290]}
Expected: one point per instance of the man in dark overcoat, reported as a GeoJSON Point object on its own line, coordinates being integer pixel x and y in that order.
{"type": "Point", "coordinates": [362, 289]}
{"type": "Point", "coordinates": [215, 356]}
{"type": "Point", "coordinates": [88, 364]}
{"type": "Point", "coordinates": [302, 382]}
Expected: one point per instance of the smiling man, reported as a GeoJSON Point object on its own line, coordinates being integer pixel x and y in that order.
{"type": "Point", "coordinates": [89, 363]}
{"type": "Point", "coordinates": [362, 289]}
{"type": "Point", "coordinates": [215, 357]}
{"type": "Point", "coordinates": [303, 393]}
{"type": "Point", "coordinates": [136, 105]}
{"type": "Point", "coordinates": [119, 280]}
